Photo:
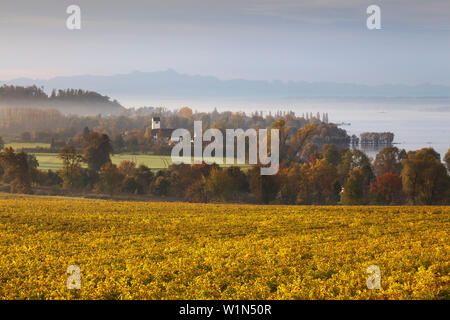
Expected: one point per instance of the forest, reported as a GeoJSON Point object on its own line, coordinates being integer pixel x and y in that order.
{"type": "Point", "coordinates": [13, 99]}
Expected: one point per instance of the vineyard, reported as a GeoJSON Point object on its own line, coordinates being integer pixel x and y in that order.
{"type": "Point", "coordinates": [138, 250]}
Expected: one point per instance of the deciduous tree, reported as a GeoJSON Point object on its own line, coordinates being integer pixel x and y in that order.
{"type": "Point", "coordinates": [324, 181]}
{"type": "Point", "coordinates": [389, 160]}
{"type": "Point", "coordinates": [354, 192]}
{"type": "Point", "coordinates": [387, 189]}
{"type": "Point", "coordinates": [71, 172]}
{"type": "Point", "coordinates": [161, 186]}
{"type": "Point", "coordinates": [16, 170]}
{"type": "Point", "coordinates": [219, 185]}
{"type": "Point", "coordinates": [127, 168]}
{"type": "Point", "coordinates": [97, 150]}
{"type": "Point", "coordinates": [331, 154]}
{"type": "Point", "coordinates": [425, 179]}
{"type": "Point", "coordinates": [300, 139]}
{"type": "Point", "coordinates": [355, 159]}
{"type": "Point", "coordinates": [263, 187]}
{"type": "Point", "coordinates": [110, 178]}
{"type": "Point", "coordinates": [447, 160]}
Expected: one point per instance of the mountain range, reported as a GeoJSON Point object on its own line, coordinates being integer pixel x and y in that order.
{"type": "Point", "coordinates": [170, 83]}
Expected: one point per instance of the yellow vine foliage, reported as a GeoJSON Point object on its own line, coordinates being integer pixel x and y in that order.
{"type": "Point", "coordinates": [143, 250]}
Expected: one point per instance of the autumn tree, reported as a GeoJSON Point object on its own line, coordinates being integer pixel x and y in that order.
{"type": "Point", "coordinates": [446, 159]}
{"type": "Point", "coordinates": [197, 191]}
{"type": "Point", "coordinates": [130, 185]}
{"type": "Point", "coordinates": [16, 170]}
{"type": "Point", "coordinates": [331, 154]}
{"type": "Point", "coordinates": [97, 150]}
{"type": "Point", "coordinates": [425, 179]}
{"type": "Point", "coordinates": [71, 172]}
{"type": "Point", "coordinates": [291, 179]}
{"type": "Point", "coordinates": [137, 180]}
{"type": "Point", "coordinates": [263, 187]}
{"type": "Point", "coordinates": [389, 160]}
{"type": "Point", "coordinates": [186, 112]}
{"type": "Point", "coordinates": [110, 178]}
{"type": "Point", "coordinates": [119, 143]}
{"type": "Point", "coordinates": [355, 159]}
{"type": "Point", "coordinates": [324, 182]}
{"type": "Point", "coordinates": [127, 168]}
{"type": "Point", "coordinates": [183, 175]}
{"type": "Point", "coordinates": [239, 181]}
{"type": "Point", "coordinates": [161, 186]}
{"type": "Point", "coordinates": [300, 139]}
{"type": "Point", "coordinates": [143, 175]}
{"type": "Point", "coordinates": [355, 190]}
{"type": "Point", "coordinates": [387, 189]}
{"type": "Point", "coordinates": [280, 125]}
{"type": "Point", "coordinates": [33, 165]}
{"type": "Point", "coordinates": [148, 134]}
{"type": "Point", "coordinates": [310, 152]}
{"type": "Point", "coordinates": [85, 135]}
{"type": "Point", "coordinates": [219, 185]}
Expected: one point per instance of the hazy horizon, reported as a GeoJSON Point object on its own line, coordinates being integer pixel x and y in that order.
{"type": "Point", "coordinates": [73, 75]}
{"type": "Point", "coordinates": [171, 84]}
{"type": "Point", "coordinates": [287, 40]}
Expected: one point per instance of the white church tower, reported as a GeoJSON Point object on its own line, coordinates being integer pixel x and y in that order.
{"type": "Point", "coordinates": [156, 123]}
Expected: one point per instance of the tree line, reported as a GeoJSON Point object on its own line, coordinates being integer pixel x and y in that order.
{"type": "Point", "coordinates": [36, 93]}
{"type": "Point", "coordinates": [308, 174]}
{"type": "Point", "coordinates": [132, 133]}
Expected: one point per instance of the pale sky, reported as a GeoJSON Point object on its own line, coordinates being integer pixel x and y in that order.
{"type": "Point", "coordinates": [321, 40]}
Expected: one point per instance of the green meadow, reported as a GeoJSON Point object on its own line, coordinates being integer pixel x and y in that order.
{"type": "Point", "coordinates": [27, 145]}
{"type": "Point", "coordinates": [50, 161]}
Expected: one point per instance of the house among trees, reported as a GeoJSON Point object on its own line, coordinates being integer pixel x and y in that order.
{"type": "Point", "coordinates": [157, 132]}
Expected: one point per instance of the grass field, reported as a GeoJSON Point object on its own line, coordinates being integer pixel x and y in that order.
{"type": "Point", "coordinates": [28, 145]}
{"type": "Point", "coordinates": [205, 251]}
{"type": "Point", "coordinates": [51, 161]}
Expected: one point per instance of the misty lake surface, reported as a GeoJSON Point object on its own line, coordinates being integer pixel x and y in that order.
{"type": "Point", "coordinates": [416, 122]}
